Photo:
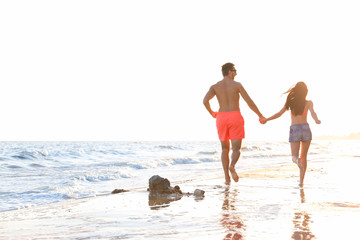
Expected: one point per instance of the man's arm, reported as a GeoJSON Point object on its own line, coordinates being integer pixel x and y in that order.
{"type": "Point", "coordinates": [209, 95]}
{"type": "Point", "coordinates": [249, 101]}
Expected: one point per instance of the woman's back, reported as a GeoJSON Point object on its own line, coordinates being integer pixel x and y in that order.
{"type": "Point", "coordinates": [300, 118]}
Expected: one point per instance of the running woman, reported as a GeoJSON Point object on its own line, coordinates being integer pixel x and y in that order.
{"type": "Point", "coordinates": [300, 133]}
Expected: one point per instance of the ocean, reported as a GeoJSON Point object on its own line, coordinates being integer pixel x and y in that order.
{"type": "Point", "coordinates": [36, 173]}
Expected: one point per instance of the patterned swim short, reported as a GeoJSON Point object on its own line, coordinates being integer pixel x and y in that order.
{"type": "Point", "coordinates": [300, 133]}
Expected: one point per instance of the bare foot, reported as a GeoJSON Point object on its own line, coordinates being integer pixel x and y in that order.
{"type": "Point", "coordinates": [227, 180]}
{"type": "Point", "coordinates": [297, 161]}
{"type": "Point", "coordinates": [233, 174]}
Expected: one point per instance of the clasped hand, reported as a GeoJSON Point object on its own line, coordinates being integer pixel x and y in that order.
{"type": "Point", "coordinates": [262, 120]}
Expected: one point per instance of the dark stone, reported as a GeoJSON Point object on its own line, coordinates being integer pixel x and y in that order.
{"type": "Point", "coordinates": [161, 193]}
{"type": "Point", "coordinates": [159, 184]}
{"type": "Point", "coordinates": [199, 193]}
{"type": "Point", "coordinates": [119, 191]}
{"type": "Point", "coordinates": [177, 189]}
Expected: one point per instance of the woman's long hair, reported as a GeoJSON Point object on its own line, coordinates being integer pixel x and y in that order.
{"type": "Point", "coordinates": [296, 99]}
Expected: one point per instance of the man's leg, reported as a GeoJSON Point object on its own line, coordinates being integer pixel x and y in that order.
{"type": "Point", "coordinates": [236, 146]}
{"type": "Point", "coordinates": [225, 147]}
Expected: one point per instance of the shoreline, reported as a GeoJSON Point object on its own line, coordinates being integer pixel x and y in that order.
{"type": "Point", "coordinates": [253, 208]}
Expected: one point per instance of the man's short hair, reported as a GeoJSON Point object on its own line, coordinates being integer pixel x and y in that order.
{"type": "Point", "coordinates": [226, 68]}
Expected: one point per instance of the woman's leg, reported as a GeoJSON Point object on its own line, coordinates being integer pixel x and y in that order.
{"type": "Point", "coordinates": [295, 148]}
{"type": "Point", "coordinates": [303, 160]}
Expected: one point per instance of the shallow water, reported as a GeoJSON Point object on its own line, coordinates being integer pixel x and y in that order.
{"type": "Point", "coordinates": [267, 207]}
{"type": "Point", "coordinates": [266, 203]}
{"type": "Point", "coordinates": [46, 172]}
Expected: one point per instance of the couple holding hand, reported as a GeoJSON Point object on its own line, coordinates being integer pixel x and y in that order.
{"type": "Point", "coordinates": [230, 123]}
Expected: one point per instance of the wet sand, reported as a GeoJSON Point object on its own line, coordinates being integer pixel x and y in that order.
{"type": "Point", "coordinates": [264, 204]}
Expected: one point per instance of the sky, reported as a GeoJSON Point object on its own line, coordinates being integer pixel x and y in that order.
{"type": "Point", "coordinates": [138, 70]}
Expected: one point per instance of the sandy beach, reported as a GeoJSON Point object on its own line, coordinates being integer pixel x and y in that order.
{"type": "Point", "coordinates": [264, 204]}
{"type": "Point", "coordinates": [104, 95]}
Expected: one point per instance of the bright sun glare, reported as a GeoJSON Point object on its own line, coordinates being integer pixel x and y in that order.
{"type": "Point", "coordinates": [91, 70]}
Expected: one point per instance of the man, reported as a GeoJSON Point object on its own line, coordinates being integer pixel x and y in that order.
{"type": "Point", "coordinates": [229, 121]}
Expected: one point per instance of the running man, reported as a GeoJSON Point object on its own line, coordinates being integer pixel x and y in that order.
{"type": "Point", "coordinates": [229, 121]}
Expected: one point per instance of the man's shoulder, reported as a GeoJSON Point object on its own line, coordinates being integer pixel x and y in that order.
{"type": "Point", "coordinates": [238, 83]}
{"type": "Point", "coordinates": [217, 83]}
{"type": "Point", "coordinates": [223, 83]}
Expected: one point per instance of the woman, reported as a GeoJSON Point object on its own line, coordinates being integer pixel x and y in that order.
{"type": "Point", "coordinates": [300, 133]}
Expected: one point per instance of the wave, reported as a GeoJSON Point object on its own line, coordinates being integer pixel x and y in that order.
{"type": "Point", "coordinates": [36, 165]}
{"type": "Point", "coordinates": [27, 155]}
{"type": "Point", "coordinates": [95, 178]}
{"type": "Point", "coordinates": [207, 153]}
{"type": "Point", "coordinates": [207, 160]}
{"type": "Point", "coordinates": [104, 176]}
{"type": "Point", "coordinates": [130, 165]}
{"type": "Point", "coordinates": [163, 162]}
{"type": "Point", "coordinates": [169, 147]}
{"type": "Point", "coordinates": [14, 166]}
{"type": "Point", "coordinates": [185, 161]}
{"type": "Point", "coordinates": [266, 155]}
{"type": "Point", "coordinates": [252, 148]}
{"type": "Point", "coordinates": [192, 160]}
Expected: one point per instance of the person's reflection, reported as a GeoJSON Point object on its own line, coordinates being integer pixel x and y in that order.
{"type": "Point", "coordinates": [302, 222]}
{"type": "Point", "coordinates": [231, 219]}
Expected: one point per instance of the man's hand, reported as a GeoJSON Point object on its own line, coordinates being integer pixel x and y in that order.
{"type": "Point", "coordinates": [262, 120]}
{"type": "Point", "coordinates": [214, 114]}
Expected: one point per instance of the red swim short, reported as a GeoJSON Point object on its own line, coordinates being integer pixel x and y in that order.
{"type": "Point", "coordinates": [230, 125]}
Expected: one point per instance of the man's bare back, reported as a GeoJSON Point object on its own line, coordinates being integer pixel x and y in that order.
{"type": "Point", "coordinates": [227, 92]}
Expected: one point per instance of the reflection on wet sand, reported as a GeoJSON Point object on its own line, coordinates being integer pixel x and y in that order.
{"type": "Point", "coordinates": [157, 201]}
{"type": "Point", "coordinates": [302, 222]}
{"type": "Point", "coordinates": [231, 219]}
